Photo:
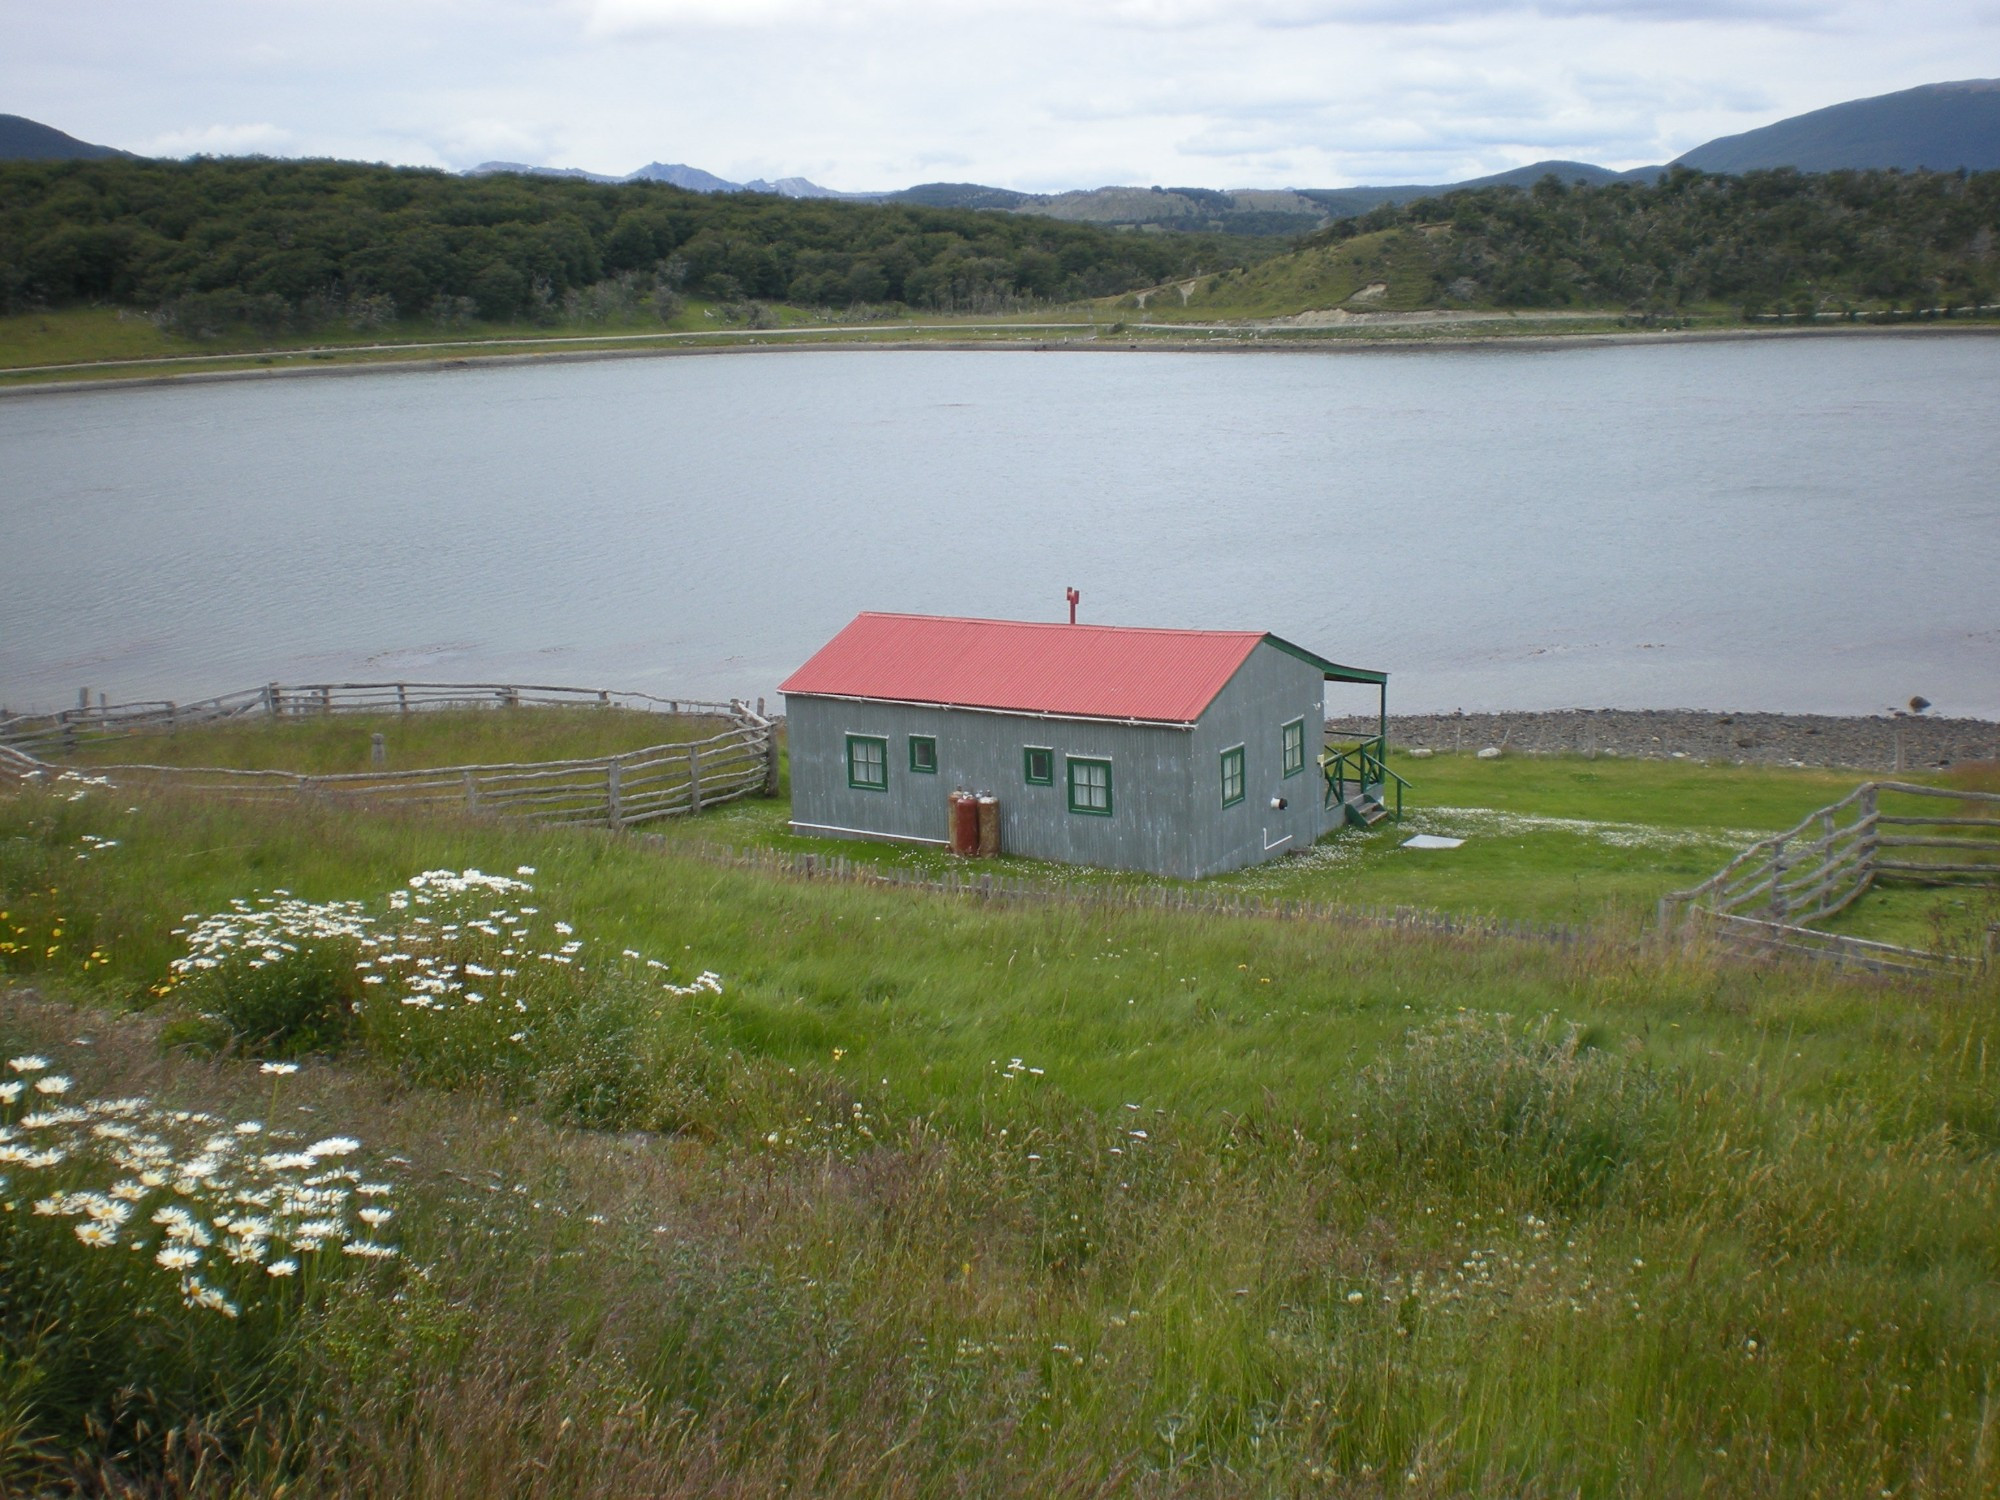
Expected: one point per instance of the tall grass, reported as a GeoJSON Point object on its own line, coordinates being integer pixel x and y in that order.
{"type": "Point", "coordinates": [940, 1198]}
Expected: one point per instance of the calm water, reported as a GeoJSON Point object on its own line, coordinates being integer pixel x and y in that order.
{"type": "Point", "coordinates": [1802, 525]}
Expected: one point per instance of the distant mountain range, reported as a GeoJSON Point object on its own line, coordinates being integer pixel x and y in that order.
{"type": "Point", "coordinates": [1943, 126]}
{"type": "Point", "coordinates": [1940, 125]}
{"type": "Point", "coordinates": [674, 173]}
{"type": "Point", "coordinates": [22, 139]}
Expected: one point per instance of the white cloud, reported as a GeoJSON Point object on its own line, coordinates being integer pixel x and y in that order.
{"type": "Point", "coordinates": [262, 139]}
{"type": "Point", "coordinates": [481, 140]}
{"type": "Point", "coordinates": [607, 18]}
{"type": "Point", "coordinates": [1037, 94]}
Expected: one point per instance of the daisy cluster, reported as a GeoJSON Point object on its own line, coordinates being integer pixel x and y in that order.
{"type": "Point", "coordinates": [75, 785]}
{"type": "Point", "coordinates": [266, 931]}
{"type": "Point", "coordinates": [447, 941]}
{"type": "Point", "coordinates": [225, 1210]}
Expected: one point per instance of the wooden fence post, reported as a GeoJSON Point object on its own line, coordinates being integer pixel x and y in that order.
{"type": "Point", "coordinates": [770, 760]}
{"type": "Point", "coordinates": [694, 779]}
{"type": "Point", "coordinates": [471, 793]}
{"type": "Point", "coordinates": [1778, 880]}
{"type": "Point", "coordinates": [402, 698]}
{"type": "Point", "coordinates": [612, 789]}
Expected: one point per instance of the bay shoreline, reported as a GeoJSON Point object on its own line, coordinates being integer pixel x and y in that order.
{"type": "Point", "coordinates": [1248, 340]}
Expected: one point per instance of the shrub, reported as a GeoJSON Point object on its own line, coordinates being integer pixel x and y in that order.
{"type": "Point", "coordinates": [282, 1009]}
{"type": "Point", "coordinates": [1474, 1102]}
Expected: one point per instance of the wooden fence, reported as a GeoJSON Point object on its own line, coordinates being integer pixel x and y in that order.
{"type": "Point", "coordinates": [92, 723]}
{"type": "Point", "coordinates": [1765, 900]}
{"type": "Point", "coordinates": [616, 790]}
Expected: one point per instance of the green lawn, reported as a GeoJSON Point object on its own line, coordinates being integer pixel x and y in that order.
{"type": "Point", "coordinates": [1547, 838]}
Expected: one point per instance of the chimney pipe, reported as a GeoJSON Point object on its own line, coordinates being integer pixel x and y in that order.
{"type": "Point", "coordinates": [1073, 596]}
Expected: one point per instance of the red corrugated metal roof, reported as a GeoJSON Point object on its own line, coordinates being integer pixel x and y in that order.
{"type": "Point", "coordinates": [1082, 671]}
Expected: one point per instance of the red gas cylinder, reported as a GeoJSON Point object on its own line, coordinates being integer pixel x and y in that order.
{"type": "Point", "coordinates": [964, 824]}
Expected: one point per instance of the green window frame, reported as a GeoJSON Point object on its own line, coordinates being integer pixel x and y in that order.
{"type": "Point", "coordinates": [1038, 765]}
{"type": "Point", "coordinates": [868, 762]}
{"type": "Point", "coordinates": [923, 754]}
{"type": "Point", "coordinates": [1089, 786]}
{"type": "Point", "coordinates": [1233, 779]}
{"type": "Point", "coordinates": [1294, 737]}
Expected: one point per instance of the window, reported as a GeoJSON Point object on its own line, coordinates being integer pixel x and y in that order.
{"type": "Point", "coordinates": [868, 762]}
{"type": "Point", "coordinates": [1090, 787]}
{"type": "Point", "coordinates": [1038, 766]}
{"type": "Point", "coordinates": [1232, 776]}
{"type": "Point", "coordinates": [1295, 746]}
{"type": "Point", "coordinates": [923, 754]}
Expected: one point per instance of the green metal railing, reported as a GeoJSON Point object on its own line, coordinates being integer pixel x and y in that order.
{"type": "Point", "coordinates": [1363, 768]}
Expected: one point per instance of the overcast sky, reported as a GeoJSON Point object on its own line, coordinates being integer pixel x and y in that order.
{"type": "Point", "coordinates": [1032, 94]}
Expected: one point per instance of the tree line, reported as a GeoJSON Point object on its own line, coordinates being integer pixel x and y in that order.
{"type": "Point", "coordinates": [296, 243]}
{"type": "Point", "coordinates": [1773, 242]}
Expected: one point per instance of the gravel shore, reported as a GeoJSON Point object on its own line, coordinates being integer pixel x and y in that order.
{"type": "Point", "coordinates": [1880, 743]}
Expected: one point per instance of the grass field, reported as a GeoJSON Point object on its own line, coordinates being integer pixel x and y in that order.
{"type": "Point", "coordinates": [1547, 838]}
{"type": "Point", "coordinates": [334, 743]}
{"type": "Point", "coordinates": [707, 1181]}
{"type": "Point", "coordinates": [924, 1196]}
{"type": "Point", "coordinates": [935, 1197]}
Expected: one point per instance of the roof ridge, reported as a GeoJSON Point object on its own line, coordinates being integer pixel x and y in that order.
{"type": "Point", "coordinates": [897, 614]}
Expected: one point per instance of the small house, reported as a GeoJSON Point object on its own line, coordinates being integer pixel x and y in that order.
{"type": "Point", "coordinates": [1181, 752]}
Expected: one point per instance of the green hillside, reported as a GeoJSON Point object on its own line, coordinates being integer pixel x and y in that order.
{"type": "Point", "coordinates": [1390, 270]}
{"type": "Point", "coordinates": [1767, 244]}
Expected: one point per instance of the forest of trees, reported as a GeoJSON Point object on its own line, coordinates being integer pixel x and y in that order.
{"type": "Point", "coordinates": [1766, 242]}
{"type": "Point", "coordinates": [277, 244]}
{"type": "Point", "coordinates": [272, 245]}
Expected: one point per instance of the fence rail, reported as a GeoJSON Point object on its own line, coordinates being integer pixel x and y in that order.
{"type": "Point", "coordinates": [633, 787]}
{"type": "Point", "coordinates": [1765, 900]}
{"type": "Point", "coordinates": [93, 723]}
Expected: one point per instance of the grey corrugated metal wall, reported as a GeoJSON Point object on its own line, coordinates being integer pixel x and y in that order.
{"type": "Point", "coordinates": [1167, 812]}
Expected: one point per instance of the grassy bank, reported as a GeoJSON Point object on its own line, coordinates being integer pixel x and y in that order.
{"type": "Point", "coordinates": [113, 342]}
{"type": "Point", "coordinates": [135, 355]}
{"type": "Point", "coordinates": [335, 743]}
{"type": "Point", "coordinates": [931, 1197]}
